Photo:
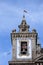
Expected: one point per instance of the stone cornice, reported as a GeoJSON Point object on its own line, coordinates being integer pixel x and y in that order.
{"type": "Point", "coordinates": [24, 35]}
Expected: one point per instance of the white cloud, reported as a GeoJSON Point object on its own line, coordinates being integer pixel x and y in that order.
{"type": "Point", "coordinates": [5, 57]}
{"type": "Point", "coordinates": [5, 53]}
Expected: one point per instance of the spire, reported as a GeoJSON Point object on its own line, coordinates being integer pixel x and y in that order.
{"type": "Point", "coordinates": [23, 20]}
{"type": "Point", "coordinates": [23, 16]}
{"type": "Point", "coordinates": [23, 26]}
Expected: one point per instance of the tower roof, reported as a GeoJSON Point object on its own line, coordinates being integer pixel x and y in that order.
{"type": "Point", "coordinates": [23, 23]}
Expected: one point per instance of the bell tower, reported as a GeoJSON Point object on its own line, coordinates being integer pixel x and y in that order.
{"type": "Point", "coordinates": [24, 44]}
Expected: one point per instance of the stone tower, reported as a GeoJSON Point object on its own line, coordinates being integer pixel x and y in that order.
{"type": "Point", "coordinates": [25, 48]}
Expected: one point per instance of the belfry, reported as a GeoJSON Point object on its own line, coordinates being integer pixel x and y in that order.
{"type": "Point", "coordinates": [25, 47]}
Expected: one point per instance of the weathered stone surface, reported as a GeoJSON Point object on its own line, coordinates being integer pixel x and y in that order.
{"type": "Point", "coordinates": [23, 35]}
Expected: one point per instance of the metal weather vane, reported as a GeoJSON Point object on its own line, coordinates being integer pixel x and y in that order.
{"type": "Point", "coordinates": [25, 11]}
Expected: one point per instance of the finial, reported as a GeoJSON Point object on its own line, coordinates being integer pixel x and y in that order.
{"type": "Point", "coordinates": [34, 30]}
{"type": "Point", "coordinates": [23, 16]}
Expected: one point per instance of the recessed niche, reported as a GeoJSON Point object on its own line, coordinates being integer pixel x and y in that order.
{"type": "Point", "coordinates": [23, 48]}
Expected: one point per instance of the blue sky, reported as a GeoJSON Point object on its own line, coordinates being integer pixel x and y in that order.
{"type": "Point", "coordinates": [11, 12]}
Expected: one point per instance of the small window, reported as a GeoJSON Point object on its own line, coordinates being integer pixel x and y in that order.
{"type": "Point", "coordinates": [24, 48]}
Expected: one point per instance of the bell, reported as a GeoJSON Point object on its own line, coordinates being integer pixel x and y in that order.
{"type": "Point", "coordinates": [23, 50]}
